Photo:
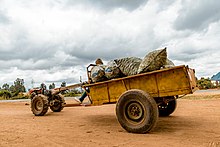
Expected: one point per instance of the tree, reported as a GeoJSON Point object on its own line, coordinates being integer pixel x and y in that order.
{"type": "Point", "coordinates": [18, 86]}
{"type": "Point", "coordinates": [5, 86]}
{"type": "Point", "coordinates": [12, 88]}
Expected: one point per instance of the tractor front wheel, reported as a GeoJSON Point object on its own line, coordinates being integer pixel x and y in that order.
{"type": "Point", "coordinates": [39, 105]}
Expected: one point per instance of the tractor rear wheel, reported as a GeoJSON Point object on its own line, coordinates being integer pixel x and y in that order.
{"type": "Point", "coordinates": [39, 105]}
{"type": "Point", "coordinates": [167, 108]}
{"type": "Point", "coordinates": [137, 111]}
{"type": "Point", "coordinates": [59, 103]}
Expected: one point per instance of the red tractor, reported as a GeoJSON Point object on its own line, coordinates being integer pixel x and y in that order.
{"type": "Point", "coordinates": [42, 99]}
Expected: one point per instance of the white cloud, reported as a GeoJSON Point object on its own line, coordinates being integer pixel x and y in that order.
{"type": "Point", "coordinates": [46, 40]}
{"type": "Point", "coordinates": [197, 14]}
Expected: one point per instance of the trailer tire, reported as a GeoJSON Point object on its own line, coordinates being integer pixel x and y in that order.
{"type": "Point", "coordinates": [137, 111]}
{"type": "Point", "coordinates": [39, 105]}
{"type": "Point", "coordinates": [58, 104]}
{"type": "Point", "coordinates": [165, 109]}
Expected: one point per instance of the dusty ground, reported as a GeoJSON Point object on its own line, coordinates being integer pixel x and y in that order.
{"type": "Point", "coordinates": [194, 123]}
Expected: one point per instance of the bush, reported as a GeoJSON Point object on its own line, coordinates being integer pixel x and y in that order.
{"type": "Point", "coordinates": [5, 94]}
{"type": "Point", "coordinates": [20, 96]}
{"type": "Point", "coordinates": [204, 83]}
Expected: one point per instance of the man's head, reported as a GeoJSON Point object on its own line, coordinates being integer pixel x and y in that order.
{"type": "Point", "coordinates": [98, 61]}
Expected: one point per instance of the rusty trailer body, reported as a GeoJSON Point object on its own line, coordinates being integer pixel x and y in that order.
{"type": "Point", "coordinates": [179, 80]}
{"type": "Point", "coordinates": [142, 98]}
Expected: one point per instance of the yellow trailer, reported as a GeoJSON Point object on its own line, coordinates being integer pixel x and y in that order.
{"type": "Point", "coordinates": [143, 97]}
{"type": "Point", "coordinates": [140, 98]}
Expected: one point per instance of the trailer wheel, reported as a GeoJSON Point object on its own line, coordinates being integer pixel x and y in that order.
{"type": "Point", "coordinates": [58, 103]}
{"type": "Point", "coordinates": [39, 105]}
{"type": "Point", "coordinates": [165, 109]}
{"type": "Point", "coordinates": [136, 111]}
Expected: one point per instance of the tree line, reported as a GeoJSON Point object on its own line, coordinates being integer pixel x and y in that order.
{"type": "Point", "coordinates": [7, 91]}
{"type": "Point", "coordinates": [205, 83]}
{"type": "Point", "coordinates": [16, 90]}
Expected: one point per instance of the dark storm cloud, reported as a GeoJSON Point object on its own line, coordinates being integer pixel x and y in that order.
{"type": "Point", "coordinates": [198, 14]}
{"type": "Point", "coordinates": [112, 4]}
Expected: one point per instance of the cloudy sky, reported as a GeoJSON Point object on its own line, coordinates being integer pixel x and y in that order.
{"type": "Point", "coordinates": [54, 40]}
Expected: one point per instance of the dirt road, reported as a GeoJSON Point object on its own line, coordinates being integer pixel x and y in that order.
{"type": "Point", "coordinates": [194, 123]}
